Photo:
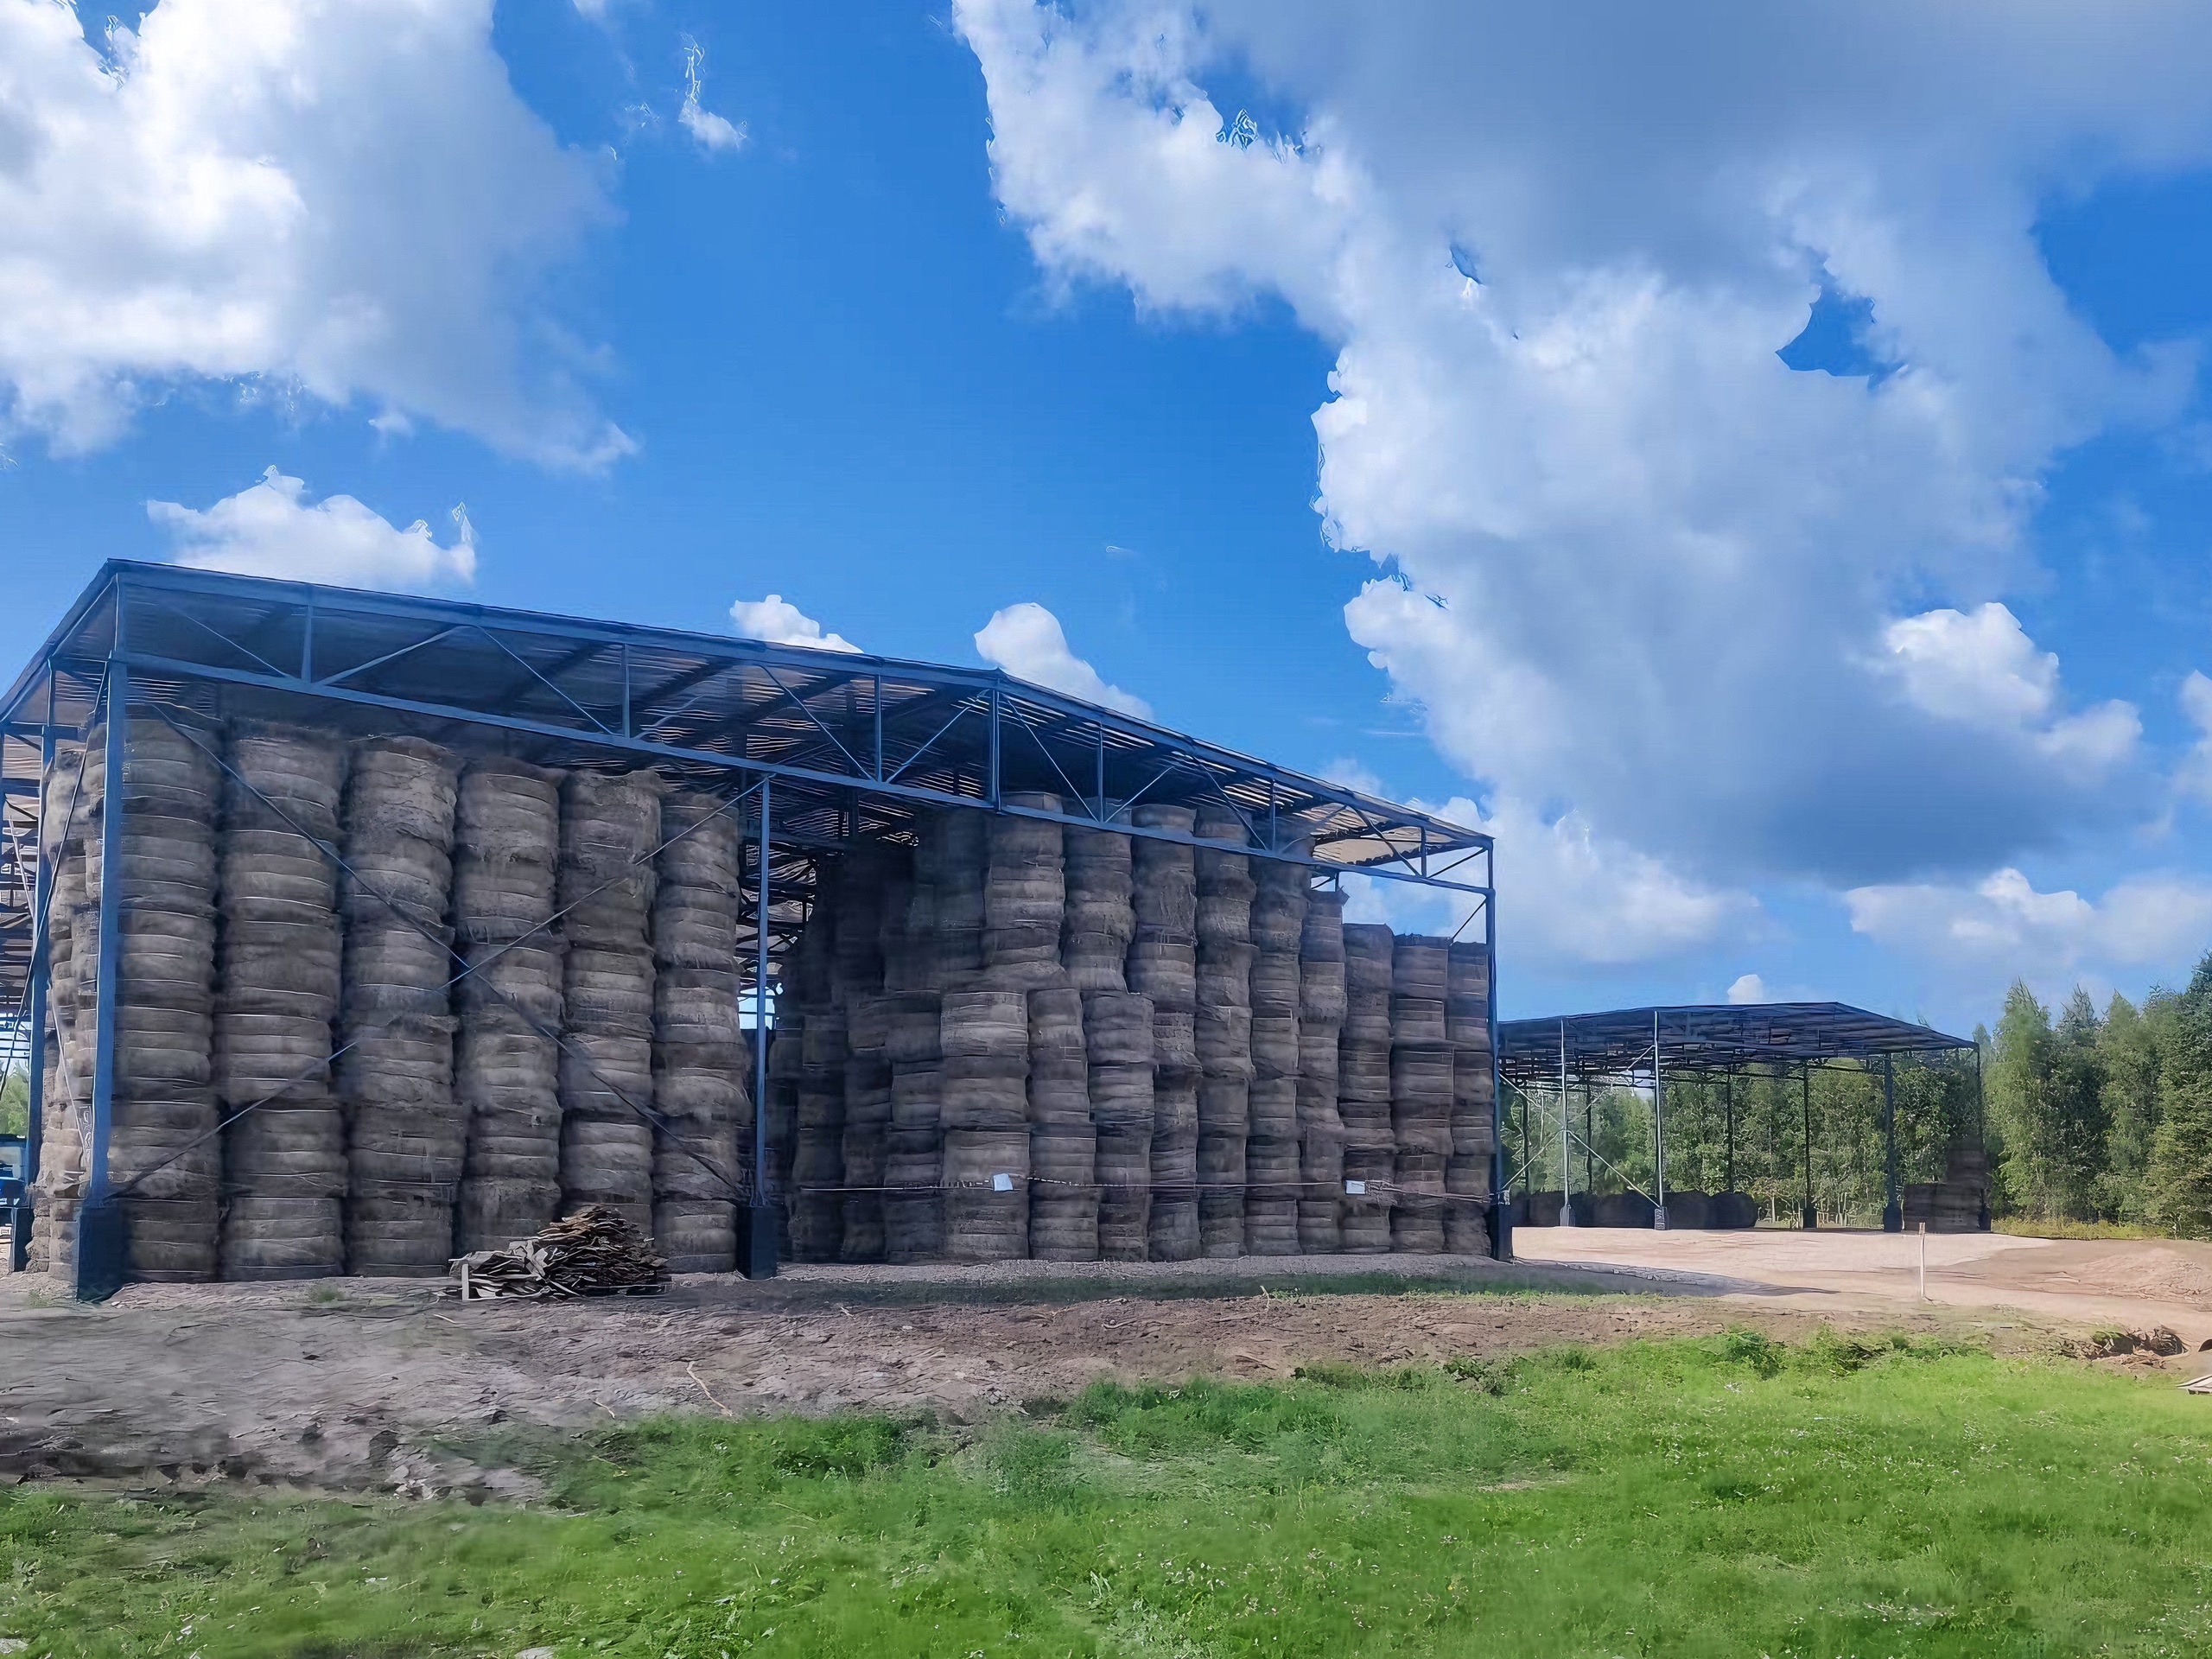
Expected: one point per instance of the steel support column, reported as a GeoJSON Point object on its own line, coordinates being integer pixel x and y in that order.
{"type": "Point", "coordinates": [1658, 1130]}
{"type": "Point", "coordinates": [1892, 1207]}
{"type": "Point", "coordinates": [1812, 1215]}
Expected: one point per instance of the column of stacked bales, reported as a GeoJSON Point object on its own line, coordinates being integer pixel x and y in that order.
{"type": "Point", "coordinates": [858, 895]}
{"type": "Point", "coordinates": [1223, 1029]}
{"type": "Point", "coordinates": [1094, 950]}
{"type": "Point", "coordinates": [1162, 967]}
{"type": "Point", "coordinates": [278, 981]}
{"type": "Point", "coordinates": [816, 1205]}
{"type": "Point", "coordinates": [1474, 1083]}
{"type": "Point", "coordinates": [1272, 1153]}
{"type": "Point", "coordinates": [610, 825]}
{"type": "Point", "coordinates": [702, 1103]}
{"type": "Point", "coordinates": [507, 1059]}
{"type": "Point", "coordinates": [1320, 1030]}
{"type": "Point", "coordinates": [1420, 1093]}
{"type": "Point", "coordinates": [787, 1066]}
{"type": "Point", "coordinates": [406, 1139]}
{"type": "Point", "coordinates": [67, 1094]}
{"type": "Point", "coordinates": [985, 1039]}
{"type": "Point", "coordinates": [1064, 1142]}
{"type": "Point", "coordinates": [1364, 1091]}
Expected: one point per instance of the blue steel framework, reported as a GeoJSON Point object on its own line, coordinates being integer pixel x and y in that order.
{"type": "Point", "coordinates": [1641, 1045]}
{"type": "Point", "coordinates": [851, 746]}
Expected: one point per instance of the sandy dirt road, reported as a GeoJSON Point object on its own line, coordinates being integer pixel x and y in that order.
{"type": "Point", "coordinates": [369, 1384]}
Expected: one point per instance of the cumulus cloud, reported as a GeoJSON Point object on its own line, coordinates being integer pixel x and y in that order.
{"type": "Point", "coordinates": [2194, 777]}
{"type": "Point", "coordinates": [271, 529]}
{"type": "Point", "coordinates": [714, 132]}
{"type": "Point", "coordinates": [1572, 898]}
{"type": "Point", "coordinates": [346, 199]}
{"type": "Point", "coordinates": [1635, 563]}
{"type": "Point", "coordinates": [1026, 640]}
{"type": "Point", "coordinates": [779, 622]}
{"type": "Point", "coordinates": [1748, 988]}
{"type": "Point", "coordinates": [2004, 926]}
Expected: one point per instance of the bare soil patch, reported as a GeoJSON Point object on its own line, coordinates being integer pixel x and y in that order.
{"type": "Point", "coordinates": [375, 1384]}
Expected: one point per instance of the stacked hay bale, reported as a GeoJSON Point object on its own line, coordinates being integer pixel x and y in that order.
{"type": "Point", "coordinates": [1421, 1092]}
{"type": "Point", "coordinates": [914, 1204]}
{"type": "Point", "coordinates": [1024, 898]}
{"type": "Point", "coordinates": [816, 1204]}
{"type": "Point", "coordinates": [1363, 1090]}
{"type": "Point", "coordinates": [787, 1066]}
{"type": "Point", "coordinates": [284, 1163]}
{"type": "Point", "coordinates": [985, 1037]}
{"type": "Point", "coordinates": [507, 1059]}
{"type": "Point", "coordinates": [164, 1158]}
{"type": "Point", "coordinates": [956, 841]}
{"type": "Point", "coordinates": [700, 1097]}
{"type": "Point", "coordinates": [1099, 922]}
{"type": "Point", "coordinates": [1224, 1029]}
{"type": "Point", "coordinates": [68, 1084]}
{"type": "Point", "coordinates": [1474, 1122]}
{"type": "Point", "coordinates": [1271, 1154]}
{"type": "Point", "coordinates": [406, 1138]}
{"type": "Point", "coordinates": [1162, 966]}
{"type": "Point", "coordinates": [1063, 1173]}
{"type": "Point", "coordinates": [610, 825]}
{"type": "Point", "coordinates": [1320, 1028]}
{"type": "Point", "coordinates": [859, 898]}
{"type": "Point", "coordinates": [1117, 1036]}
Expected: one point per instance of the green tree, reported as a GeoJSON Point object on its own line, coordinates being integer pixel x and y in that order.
{"type": "Point", "coordinates": [15, 1100]}
{"type": "Point", "coordinates": [2081, 1124]}
{"type": "Point", "coordinates": [2180, 1152]}
{"type": "Point", "coordinates": [2132, 1045]}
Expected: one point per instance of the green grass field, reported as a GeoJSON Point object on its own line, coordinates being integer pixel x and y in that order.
{"type": "Point", "coordinates": [1718, 1497]}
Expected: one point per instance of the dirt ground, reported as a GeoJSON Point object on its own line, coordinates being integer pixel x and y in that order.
{"type": "Point", "coordinates": [360, 1384]}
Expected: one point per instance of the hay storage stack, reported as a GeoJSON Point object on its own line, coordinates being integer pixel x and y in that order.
{"type": "Point", "coordinates": [405, 1139]}
{"type": "Point", "coordinates": [1320, 1028]}
{"type": "Point", "coordinates": [985, 1109]}
{"type": "Point", "coordinates": [1025, 899]}
{"type": "Point", "coordinates": [816, 1207]}
{"type": "Point", "coordinates": [164, 1162]}
{"type": "Point", "coordinates": [610, 824]}
{"type": "Point", "coordinates": [68, 1084]}
{"type": "Point", "coordinates": [1271, 1154]}
{"type": "Point", "coordinates": [857, 932]}
{"type": "Point", "coordinates": [507, 1056]}
{"type": "Point", "coordinates": [1474, 1122]}
{"type": "Point", "coordinates": [1223, 1029]}
{"type": "Point", "coordinates": [1162, 965]}
{"type": "Point", "coordinates": [700, 1093]}
{"type": "Point", "coordinates": [1363, 1090]}
{"type": "Point", "coordinates": [284, 1165]}
{"type": "Point", "coordinates": [913, 1203]}
{"type": "Point", "coordinates": [1063, 1173]}
{"type": "Point", "coordinates": [1117, 1039]}
{"type": "Point", "coordinates": [1421, 1092]}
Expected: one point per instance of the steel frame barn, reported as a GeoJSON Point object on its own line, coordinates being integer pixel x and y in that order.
{"type": "Point", "coordinates": [1640, 1047]}
{"type": "Point", "coordinates": [812, 750]}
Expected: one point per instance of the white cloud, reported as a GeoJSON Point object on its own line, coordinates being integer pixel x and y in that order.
{"type": "Point", "coordinates": [712, 132]}
{"type": "Point", "coordinates": [271, 529]}
{"type": "Point", "coordinates": [1647, 569]}
{"type": "Point", "coordinates": [1569, 897]}
{"type": "Point", "coordinates": [2004, 927]}
{"type": "Point", "coordinates": [346, 199]}
{"type": "Point", "coordinates": [782, 623]}
{"type": "Point", "coordinates": [1980, 670]}
{"type": "Point", "coordinates": [1748, 988]}
{"type": "Point", "coordinates": [1026, 640]}
{"type": "Point", "coordinates": [2194, 775]}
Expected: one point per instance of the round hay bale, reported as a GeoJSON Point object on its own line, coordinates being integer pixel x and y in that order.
{"type": "Point", "coordinates": [1467, 1229]}
{"type": "Point", "coordinates": [1420, 966]}
{"type": "Point", "coordinates": [1275, 1046]}
{"type": "Point", "coordinates": [1221, 1224]}
{"type": "Point", "coordinates": [1117, 1028]}
{"type": "Point", "coordinates": [161, 1050]}
{"type": "Point", "coordinates": [1066, 1154]}
{"type": "Point", "coordinates": [1271, 1108]}
{"type": "Point", "coordinates": [1271, 1226]}
{"type": "Point", "coordinates": [1224, 1041]}
{"type": "Point", "coordinates": [517, 981]}
{"type": "Point", "coordinates": [608, 992]}
{"type": "Point", "coordinates": [1418, 1019]}
{"type": "Point", "coordinates": [403, 1236]}
{"type": "Point", "coordinates": [1225, 1104]}
{"type": "Point", "coordinates": [1273, 984]}
{"type": "Point", "coordinates": [1171, 1233]}
{"type": "Point", "coordinates": [169, 1240]}
{"type": "Point", "coordinates": [985, 1024]}
{"type": "Point", "coordinates": [1064, 1226]}
{"type": "Point", "coordinates": [606, 1160]}
{"type": "Point", "coordinates": [262, 1057]}
{"type": "Point", "coordinates": [281, 1238]}
{"type": "Point", "coordinates": [1369, 952]}
{"type": "Point", "coordinates": [1174, 1039]}
{"type": "Point", "coordinates": [1319, 1231]}
{"type": "Point", "coordinates": [916, 1094]}
{"type": "Point", "coordinates": [1321, 993]}
{"type": "Point", "coordinates": [1166, 972]}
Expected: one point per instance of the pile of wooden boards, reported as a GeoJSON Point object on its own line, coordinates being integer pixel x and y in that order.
{"type": "Point", "coordinates": [597, 1251]}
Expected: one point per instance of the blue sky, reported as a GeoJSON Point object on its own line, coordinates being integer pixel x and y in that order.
{"type": "Point", "coordinates": [913, 314]}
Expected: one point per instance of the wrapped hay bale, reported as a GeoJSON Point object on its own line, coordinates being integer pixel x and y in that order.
{"type": "Point", "coordinates": [913, 1203]}
{"type": "Point", "coordinates": [1063, 1140]}
{"type": "Point", "coordinates": [700, 1095]}
{"type": "Point", "coordinates": [948, 908]}
{"type": "Point", "coordinates": [1100, 920]}
{"type": "Point", "coordinates": [1162, 962]}
{"type": "Point", "coordinates": [1025, 897]}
